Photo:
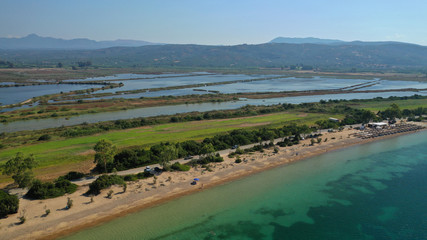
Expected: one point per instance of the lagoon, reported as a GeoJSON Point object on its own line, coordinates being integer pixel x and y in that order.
{"type": "Point", "coordinates": [37, 124]}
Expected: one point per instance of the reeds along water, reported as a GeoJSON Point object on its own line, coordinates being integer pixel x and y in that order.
{"type": "Point", "coordinates": [370, 191]}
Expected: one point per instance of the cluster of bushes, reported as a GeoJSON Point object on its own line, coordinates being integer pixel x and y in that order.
{"type": "Point", "coordinates": [180, 167]}
{"type": "Point", "coordinates": [103, 182]}
{"type": "Point", "coordinates": [59, 187]}
{"type": "Point", "coordinates": [415, 119]}
{"type": "Point", "coordinates": [288, 141]}
{"type": "Point", "coordinates": [44, 137]}
{"type": "Point", "coordinates": [73, 176]}
{"type": "Point", "coordinates": [9, 204]}
{"type": "Point", "coordinates": [131, 158]}
{"type": "Point", "coordinates": [247, 136]}
{"type": "Point", "coordinates": [135, 177]}
{"type": "Point", "coordinates": [256, 148]}
{"type": "Point", "coordinates": [415, 115]}
{"type": "Point", "coordinates": [207, 159]}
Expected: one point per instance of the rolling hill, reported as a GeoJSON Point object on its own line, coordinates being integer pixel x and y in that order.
{"type": "Point", "coordinates": [390, 56]}
{"type": "Point", "coordinates": [33, 41]}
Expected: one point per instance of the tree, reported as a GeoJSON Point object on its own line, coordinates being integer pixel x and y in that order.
{"type": "Point", "coordinates": [392, 112]}
{"type": "Point", "coordinates": [105, 151]}
{"type": "Point", "coordinates": [168, 153]}
{"type": "Point", "coordinates": [207, 149]}
{"type": "Point", "coordinates": [20, 168]}
{"type": "Point", "coordinates": [59, 65]}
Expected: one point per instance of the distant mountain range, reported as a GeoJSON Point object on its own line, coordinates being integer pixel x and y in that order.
{"type": "Point", "coordinates": [33, 41]}
{"type": "Point", "coordinates": [302, 53]}
{"type": "Point", "coordinates": [310, 40]}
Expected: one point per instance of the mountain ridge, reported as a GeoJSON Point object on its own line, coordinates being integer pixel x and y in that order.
{"type": "Point", "coordinates": [310, 40]}
{"type": "Point", "coordinates": [34, 41]}
{"type": "Point", "coordinates": [322, 41]}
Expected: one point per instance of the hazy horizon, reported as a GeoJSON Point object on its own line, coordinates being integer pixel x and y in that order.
{"type": "Point", "coordinates": [215, 22]}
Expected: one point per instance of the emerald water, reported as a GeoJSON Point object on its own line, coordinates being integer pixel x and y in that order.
{"type": "Point", "coordinates": [372, 191]}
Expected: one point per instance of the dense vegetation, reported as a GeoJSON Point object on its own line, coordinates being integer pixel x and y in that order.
{"type": "Point", "coordinates": [59, 187]}
{"type": "Point", "coordinates": [70, 176]}
{"type": "Point", "coordinates": [9, 204]}
{"type": "Point", "coordinates": [139, 156]}
{"type": "Point", "coordinates": [103, 182]}
{"type": "Point", "coordinates": [180, 167]}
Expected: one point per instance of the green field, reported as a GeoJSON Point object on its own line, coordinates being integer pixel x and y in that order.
{"type": "Point", "coordinates": [59, 156]}
{"type": "Point", "coordinates": [376, 106]}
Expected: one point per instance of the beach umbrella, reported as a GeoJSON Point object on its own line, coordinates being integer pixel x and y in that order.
{"type": "Point", "coordinates": [196, 179]}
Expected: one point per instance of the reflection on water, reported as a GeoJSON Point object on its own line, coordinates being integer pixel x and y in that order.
{"type": "Point", "coordinates": [183, 108]}
{"type": "Point", "coordinates": [11, 95]}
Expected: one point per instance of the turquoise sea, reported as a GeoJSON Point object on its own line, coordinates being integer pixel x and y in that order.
{"type": "Point", "coordinates": [372, 191]}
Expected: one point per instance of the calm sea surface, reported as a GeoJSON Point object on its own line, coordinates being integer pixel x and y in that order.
{"type": "Point", "coordinates": [372, 191]}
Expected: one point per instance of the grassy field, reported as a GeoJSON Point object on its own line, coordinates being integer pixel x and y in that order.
{"type": "Point", "coordinates": [376, 106]}
{"type": "Point", "coordinates": [59, 156]}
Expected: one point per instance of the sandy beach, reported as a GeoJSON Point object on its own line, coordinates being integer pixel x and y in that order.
{"type": "Point", "coordinates": [145, 193]}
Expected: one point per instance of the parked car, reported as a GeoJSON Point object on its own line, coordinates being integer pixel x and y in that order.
{"type": "Point", "coordinates": [188, 157]}
{"type": "Point", "coordinates": [235, 147]}
{"type": "Point", "coordinates": [147, 169]}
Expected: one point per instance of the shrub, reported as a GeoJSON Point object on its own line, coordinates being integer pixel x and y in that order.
{"type": "Point", "coordinates": [238, 160]}
{"type": "Point", "coordinates": [22, 219]}
{"type": "Point", "coordinates": [143, 175]}
{"type": "Point", "coordinates": [73, 176]}
{"type": "Point", "coordinates": [69, 203]}
{"type": "Point", "coordinates": [9, 204]}
{"type": "Point", "coordinates": [47, 190]}
{"type": "Point", "coordinates": [239, 151]}
{"type": "Point", "coordinates": [130, 177]}
{"type": "Point", "coordinates": [45, 137]}
{"type": "Point", "coordinates": [110, 194]}
{"type": "Point", "coordinates": [209, 159]}
{"type": "Point", "coordinates": [104, 182]}
{"type": "Point", "coordinates": [180, 167]}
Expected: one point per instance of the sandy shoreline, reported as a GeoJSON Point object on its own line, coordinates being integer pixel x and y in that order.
{"type": "Point", "coordinates": [144, 193]}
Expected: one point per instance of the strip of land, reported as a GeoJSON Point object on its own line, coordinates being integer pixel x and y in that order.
{"type": "Point", "coordinates": [146, 193]}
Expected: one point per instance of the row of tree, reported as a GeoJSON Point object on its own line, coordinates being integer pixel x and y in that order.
{"type": "Point", "coordinates": [108, 159]}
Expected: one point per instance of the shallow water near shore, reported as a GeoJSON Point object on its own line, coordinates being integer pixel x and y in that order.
{"type": "Point", "coordinates": [369, 191]}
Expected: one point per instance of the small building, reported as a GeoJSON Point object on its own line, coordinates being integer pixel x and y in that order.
{"type": "Point", "coordinates": [377, 125]}
{"type": "Point", "coordinates": [334, 119]}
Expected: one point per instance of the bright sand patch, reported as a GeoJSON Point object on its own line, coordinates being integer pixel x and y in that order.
{"type": "Point", "coordinates": [144, 193]}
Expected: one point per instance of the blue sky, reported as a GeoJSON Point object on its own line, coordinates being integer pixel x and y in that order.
{"type": "Point", "coordinates": [215, 22]}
